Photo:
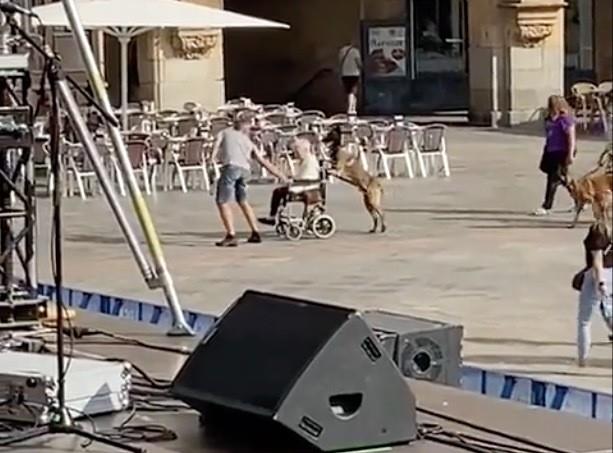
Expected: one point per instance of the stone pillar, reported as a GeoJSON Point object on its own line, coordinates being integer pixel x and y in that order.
{"type": "Point", "coordinates": [526, 40]}
{"type": "Point", "coordinates": [187, 65]}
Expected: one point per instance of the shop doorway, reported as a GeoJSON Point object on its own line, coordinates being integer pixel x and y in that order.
{"type": "Point", "coordinates": [438, 64]}
{"type": "Point", "coordinates": [578, 42]}
{"type": "Point", "coordinates": [417, 64]}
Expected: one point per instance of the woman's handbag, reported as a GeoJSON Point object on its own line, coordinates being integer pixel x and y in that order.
{"type": "Point", "coordinates": [577, 281]}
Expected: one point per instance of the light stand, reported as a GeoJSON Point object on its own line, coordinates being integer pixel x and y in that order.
{"type": "Point", "coordinates": [60, 421]}
{"type": "Point", "coordinates": [156, 274]}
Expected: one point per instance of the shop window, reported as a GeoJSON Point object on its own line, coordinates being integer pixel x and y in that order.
{"type": "Point", "coordinates": [579, 37]}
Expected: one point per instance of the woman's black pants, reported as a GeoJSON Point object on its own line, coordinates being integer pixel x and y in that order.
{"type": "Point", "coordinates": [554, 180]}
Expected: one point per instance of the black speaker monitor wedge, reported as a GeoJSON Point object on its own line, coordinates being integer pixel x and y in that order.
{"type": "Point", "coordinates": [317, 370]}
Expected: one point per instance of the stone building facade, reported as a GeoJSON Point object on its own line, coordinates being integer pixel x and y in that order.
{"type": "Point", "coordinates": [168, 67]}
{"type": "Point", "coordinates": [478, 56]}
{"type": "Point", "coordinates": [503, 55]}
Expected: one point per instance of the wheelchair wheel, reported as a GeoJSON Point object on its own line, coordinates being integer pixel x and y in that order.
{"type": "Point", "coordinates": [323, 227]}
{"type": "Point", "coordinates": [280, 228]}
{"type": "Point", "coordinates": [294, 231]}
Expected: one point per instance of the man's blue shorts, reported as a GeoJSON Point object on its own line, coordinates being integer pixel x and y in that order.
{"type": "Point", "coordinates": [232, 184]}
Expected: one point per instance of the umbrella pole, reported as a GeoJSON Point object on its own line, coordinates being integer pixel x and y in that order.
{"type": "Point", "coordinates": [162, 276]}
{"type": "Point", "coordinates": [124, 42]}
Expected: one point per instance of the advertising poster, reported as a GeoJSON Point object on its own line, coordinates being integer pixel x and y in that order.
{"type": "Point", "coordinates": [387, 51]}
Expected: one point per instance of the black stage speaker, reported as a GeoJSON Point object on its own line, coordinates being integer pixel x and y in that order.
{"type": "Point", "coordinates": [316, 370]}
{"type": "Point", "coordinates": [422, 348]}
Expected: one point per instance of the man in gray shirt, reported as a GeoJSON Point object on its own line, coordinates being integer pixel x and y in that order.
{"type": "Point", "coordinates": [234, 151]}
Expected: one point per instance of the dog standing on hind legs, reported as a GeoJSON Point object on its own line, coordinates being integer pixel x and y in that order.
{"type": "Point", "coordinates": [347, 167]}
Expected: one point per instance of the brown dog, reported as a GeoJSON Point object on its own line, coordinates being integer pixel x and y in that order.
{"type": "Point", "coordinates": [348, 168]}
{"type": "Point", "coordinates": [594, 188]}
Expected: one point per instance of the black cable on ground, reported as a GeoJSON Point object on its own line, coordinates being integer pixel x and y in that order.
{"type": "Point", "coordinates": [494, 432]}
{"type": "Point", "coordinates": [144, 344]}
{"type": "Point", "coordinates": [434, 432]}
{"type": "Point", "coordinates": [457, 444]}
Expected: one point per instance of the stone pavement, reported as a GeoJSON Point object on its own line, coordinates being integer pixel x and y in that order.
{"type": "Point", "coordinates": [462, 250]}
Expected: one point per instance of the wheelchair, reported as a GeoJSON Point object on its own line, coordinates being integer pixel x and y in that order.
{"type": "Point", "coordinates": [314, 220]}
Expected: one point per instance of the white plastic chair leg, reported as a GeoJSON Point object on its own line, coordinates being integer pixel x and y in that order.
{"type": "Point", "coordinates": [409, 165]}
{"type": "Point", "coordinates": [446, 168]}
{"type": "Point", "coordinates": [205, 178]}
{"type": "Point", "coordinates": [181, 177]}
{"type": "Point", "coordinates": [145, 177]}
{"type": "Point", "coordinates": [386, 167]}
{"type": "Point", "coordinates": [422, 165]}
{"type": "Point", "coordinates": [69, 191]}
{"type": "Point", "coordinates": [154, 178]}
{"type": "Point", "coordinates": [80, 186]}
{"type": "Point", "coordinates": [119, 179]}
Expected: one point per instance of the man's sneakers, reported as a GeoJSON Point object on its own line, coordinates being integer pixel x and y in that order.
{"type": "Point", "coordinates": [231, 241]}
{"type": "Point", "coordinates": [228, 241]}
{"type": "Point", "coordinates": [255, 238]}
{"type": "Point", "coordinates": [270, 221]}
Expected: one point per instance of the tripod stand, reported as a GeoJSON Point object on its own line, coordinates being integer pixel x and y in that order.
{"type": "Point", "coordinates": [60, 421]}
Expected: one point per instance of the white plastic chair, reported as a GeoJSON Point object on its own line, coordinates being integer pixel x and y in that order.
{"type": "Point", "coordinates": [309, 119]}
{"type": "Point", "coordinates": [284, 155]}
{"type": "Point", "coordinates": [78, 169]}
{"type": "Point", "coordinates": [395, 144]}
{"type": "Point", "coordinates": [365, 137]}
{"type": "Point", "coordinates": [276, 118]}
{"type": "Point", "coordinates": [266, 140]}
{"type": "Point", "coordinates": [105, 148]}
{"type": "Point", "coordinates": [191, 159]}
{"type": "Point", "coordinates": [138, 153]}
{"type": "Point", "coordinates": [588, 101]}
{"type": "Point", "coordinates": [432, 145]}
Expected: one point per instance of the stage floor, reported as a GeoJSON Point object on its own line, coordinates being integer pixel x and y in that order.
{"type": "Point", "coordinates": [565, 432]}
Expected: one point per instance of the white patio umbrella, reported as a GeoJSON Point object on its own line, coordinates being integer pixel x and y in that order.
{"type": "Point", "coordinates": [126, 19]}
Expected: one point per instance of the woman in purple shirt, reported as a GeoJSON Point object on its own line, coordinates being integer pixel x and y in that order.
{"type": "Point", "coordinates": [559, 152]}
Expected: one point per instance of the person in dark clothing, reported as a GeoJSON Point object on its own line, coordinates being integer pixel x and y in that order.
{"type": "Point", "coordinates": [559, 152]}
{"type": "Point", "coordinates": [595, 288]}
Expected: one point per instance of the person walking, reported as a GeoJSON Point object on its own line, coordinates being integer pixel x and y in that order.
{"type": "Point", "coordinates": [234, 150]}
{"type": "Point", "coordinates": [560, 149]}
{"type": "Point", "coordinates": [595, 285]}
{"type": "Point", "coordinates": [350, 64]}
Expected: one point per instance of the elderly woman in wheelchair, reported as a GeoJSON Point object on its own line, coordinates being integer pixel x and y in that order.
{"type": "Point", "coordinates": [308, 188]}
